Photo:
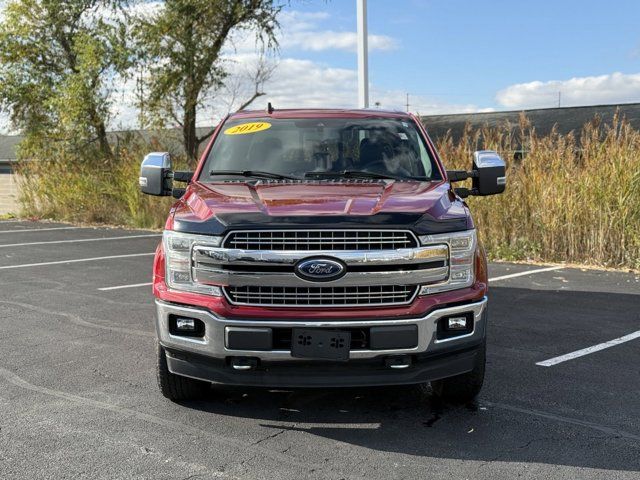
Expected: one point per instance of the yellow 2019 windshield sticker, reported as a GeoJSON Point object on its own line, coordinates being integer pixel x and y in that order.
{"type": "Point", "coordinates": [247, 128]}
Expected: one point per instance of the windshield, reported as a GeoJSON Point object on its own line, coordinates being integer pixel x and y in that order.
{"type": "Point", "coordinates": [303, 148]}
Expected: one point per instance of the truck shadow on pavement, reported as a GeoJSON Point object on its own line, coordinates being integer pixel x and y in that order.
{"type": "Point", "coordinates": [519, 417]}
{"type": "Point", "coordinates": [404, 420]}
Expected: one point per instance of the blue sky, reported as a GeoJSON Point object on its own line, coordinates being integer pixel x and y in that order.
{"type": "Point", "coordinates": [463, 55]}
{"type": "Point", "coordinates": [451, 56]}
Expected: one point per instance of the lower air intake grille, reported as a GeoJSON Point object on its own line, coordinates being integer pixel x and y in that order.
{"type": "Point", "coordinates": [321, 296]}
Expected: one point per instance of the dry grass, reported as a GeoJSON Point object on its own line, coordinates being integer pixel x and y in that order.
{"type": "Point", "coordinates": [76, 190]}
{"type": "Point", "coordinates": [564, 202]}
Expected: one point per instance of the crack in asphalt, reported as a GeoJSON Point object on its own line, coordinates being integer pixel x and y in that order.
{"type": "Point", "coordinates": [19, 382]}
{"type": "Point", "coordinates": [76, 319]}
{"type": "Point", "coordinates": [607, 429]}
{"type": "Point", "coordinates": [273, 435]}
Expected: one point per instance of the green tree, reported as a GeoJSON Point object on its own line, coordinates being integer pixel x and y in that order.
{"type": "Point", "coordinates": [182, 43]}
{"type": "Point", "coordinates": [58, 62]}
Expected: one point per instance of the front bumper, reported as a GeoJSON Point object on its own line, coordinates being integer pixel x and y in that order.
{"type": "Point", "coordinates": [355, 373]}
{"type": "Point", "coordinates": [208, 357]}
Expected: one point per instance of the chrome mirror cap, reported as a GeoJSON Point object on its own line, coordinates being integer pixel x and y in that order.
{"type": "Point", "coordinates": [155, 174]}
{"type": "Point", "coordinates": [157, 160]}
{"type": "Point", "coordinates": [489, 173]}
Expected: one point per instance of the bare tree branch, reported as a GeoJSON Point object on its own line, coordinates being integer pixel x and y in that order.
{"type": "Point", "coordinates": [236, 86]}
{"type": "Point", "coordinates": [250, 101]}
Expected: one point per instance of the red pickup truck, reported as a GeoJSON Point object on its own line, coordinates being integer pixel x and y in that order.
{"type": "Point", "coordinates": [320, 248]}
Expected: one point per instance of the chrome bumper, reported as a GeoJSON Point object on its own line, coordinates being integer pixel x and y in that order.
{"type": "Point", "coordinates": [213, 343]}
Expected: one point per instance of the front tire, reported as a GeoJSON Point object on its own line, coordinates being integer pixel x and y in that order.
{"type": "Point", "coordinates": [175, 387]}
{"type": "Point", "coordinates": [466, 387]}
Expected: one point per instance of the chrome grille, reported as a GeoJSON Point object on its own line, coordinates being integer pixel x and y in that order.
{"type": "Point", "coordinates": [326, 240]}
{"type": "Point", "coordinates": [324, 296]}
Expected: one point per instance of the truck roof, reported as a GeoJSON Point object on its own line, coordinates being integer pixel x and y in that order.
{"type": "Point", "coordinates": [320, 112]}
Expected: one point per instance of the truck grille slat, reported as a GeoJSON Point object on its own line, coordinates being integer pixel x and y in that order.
{"type": "Point", "coordinates": [327, 296]}
{"type": "Point", "coordinates": [383, 267]}
{"type": "Point", "coordinates": [326, 240]}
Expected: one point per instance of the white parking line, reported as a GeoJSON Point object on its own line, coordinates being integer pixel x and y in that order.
{"type": "Point", "coordinates": [118, 287]}
{"type": "Point", "coordinates": [77, 260]}
{"type": "Point", "coordinates": [588, 350]}
{"type": "Point", "coordinates": [38, 229]}
{"type": "Point", "coordinates": [528, 272]}
{"type": "Point", "coordinates": [134, 285]}
{"type": "Point", "coordinates": [79, 240]}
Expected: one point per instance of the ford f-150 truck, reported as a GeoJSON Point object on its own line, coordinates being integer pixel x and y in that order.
{"type": "Point", "coordinates": [320, 248]}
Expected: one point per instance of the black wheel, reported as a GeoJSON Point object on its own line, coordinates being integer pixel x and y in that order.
{"type": "Point", "coordinates": [175, 387]}
{"type": "Point", "coordinates": [463, 388]}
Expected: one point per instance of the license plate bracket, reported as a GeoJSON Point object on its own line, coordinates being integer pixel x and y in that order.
{"type": "Point", "coordinates": [320, 344]}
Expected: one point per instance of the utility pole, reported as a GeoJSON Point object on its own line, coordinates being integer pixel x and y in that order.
{"type": "Point", "coordinates": [407, 102]}
{"type": "Point", "coordinates": [559, 98]}
{"type": "Point", "coordinates": [363, 61]}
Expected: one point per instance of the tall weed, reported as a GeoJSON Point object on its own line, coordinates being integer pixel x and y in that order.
{"type": "Point", "coordinates": [566, 200]}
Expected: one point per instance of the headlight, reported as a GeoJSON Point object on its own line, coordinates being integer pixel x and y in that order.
{"type": "Point", "coordinates": [462, 248]}
{"type": "Point", "coordinates": [177, 249]}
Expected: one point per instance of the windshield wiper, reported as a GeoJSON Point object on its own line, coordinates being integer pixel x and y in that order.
{"type": "Point", "coordinates": [252, 173]}
{"type": "Point", "coordinates": [349, 174]}
{"type": "Point", "coordinates": [357, 174]}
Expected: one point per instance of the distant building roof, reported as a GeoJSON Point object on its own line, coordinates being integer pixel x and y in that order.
{"type": "Point", "coordinates": [171, 139]}
{"type": "Point", "coordinates": [567, 119]}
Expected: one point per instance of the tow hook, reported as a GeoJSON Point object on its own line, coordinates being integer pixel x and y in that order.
{"type": "Point", "coordinates": [398, 362]}
{"type": "Point", "coordinates": [244, 363]}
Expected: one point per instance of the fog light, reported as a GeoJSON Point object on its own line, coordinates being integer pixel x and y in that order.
{"type": "Point", "coordinates": [457, 323]}
{"type": "Point", "coordinates": [185, 324]}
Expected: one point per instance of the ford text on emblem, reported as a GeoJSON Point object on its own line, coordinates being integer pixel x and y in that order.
{"type": "Point", "coordinates": [320, 269]}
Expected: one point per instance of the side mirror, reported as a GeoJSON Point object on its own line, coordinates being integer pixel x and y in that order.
{"type": "Point", "coordinates": [489, 173]}
{"type": "Point", "coordinates": [488, 176]}
{"type": "Point", "coordinates": [156, 175]}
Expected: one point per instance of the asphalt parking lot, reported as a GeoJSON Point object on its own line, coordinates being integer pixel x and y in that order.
{"type": "Point", "coordinates": [78, 397]}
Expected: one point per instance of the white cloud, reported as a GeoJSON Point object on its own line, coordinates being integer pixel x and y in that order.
{"type": "Point", "coordinates": [303, 83]}
{"type": "Point", "coordinates": [603, 89]}
{"type": "Point", "coordinates": [123, 112]}
{"type": "Point", "coordinates": [304, 31]}
{"type": "Point", "coordinates": [329, 40]}
{"type": "Point", "coordinates": [397, 100]}
{"type": "Point", "coordinates": [298, 83]}
{"type": "Point", "coordinates": [295, 20]}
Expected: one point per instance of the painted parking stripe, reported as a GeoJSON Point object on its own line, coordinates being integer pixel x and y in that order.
{"type": "Point", "coordinates": [38, 229]}
{"type": "Point", "coordinates": [134, 285]}
{"type": "Point", "coordinates": [118, 287]}
{"type": "Point", "coordinates": [79, 240]}
{"type": "Point", "coordinates": [588, 350]}
{"type": "Point", "coordinates": [77, 260]}
{"type": "Point", "coordinates": [528, 272]}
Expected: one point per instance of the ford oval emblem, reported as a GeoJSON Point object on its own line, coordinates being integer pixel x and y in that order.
{"type": "Point", "coordinates": [320, 269]}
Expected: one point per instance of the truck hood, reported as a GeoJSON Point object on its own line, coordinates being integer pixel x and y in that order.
{"type": "Point", "coordinates": [209, 208]}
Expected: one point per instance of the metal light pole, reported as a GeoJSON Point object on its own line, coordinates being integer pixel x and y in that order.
{"type": "Point", "coordinates": [363, 52]}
